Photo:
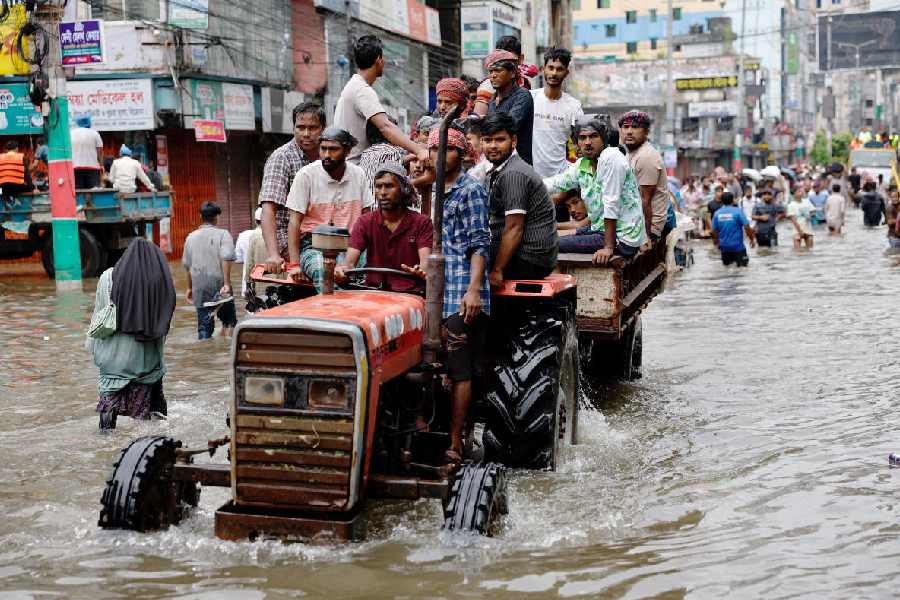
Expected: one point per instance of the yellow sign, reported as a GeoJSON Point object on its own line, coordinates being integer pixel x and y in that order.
{"type": "Point", "coordinates": [10, 61]}
{"type": "Point", "coordinates": [706, 83]}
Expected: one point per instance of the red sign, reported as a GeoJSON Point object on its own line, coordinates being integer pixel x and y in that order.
{"type": "Point", "coordinates": [209, 131]}
{"type": "Point", "coordinates": [418, 20]}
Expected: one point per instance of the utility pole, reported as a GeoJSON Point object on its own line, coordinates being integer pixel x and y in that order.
{"type": "Point", "coordinates": [349, 25]}
{"type": "Point", "coordinates": [741, 116]}
{"type": "Point", "coordinates": [66, 251]}
{"type": "Point", "coordinates": [669, 138]}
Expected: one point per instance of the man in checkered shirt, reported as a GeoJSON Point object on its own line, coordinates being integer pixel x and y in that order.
{"type": "Point", "coordinates": [282, 166]}
{"type": "Point", "coordinates": [465, 240]}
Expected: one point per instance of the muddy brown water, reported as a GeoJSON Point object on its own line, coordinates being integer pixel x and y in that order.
{"type": "Point", "coordinates": [751, 460]}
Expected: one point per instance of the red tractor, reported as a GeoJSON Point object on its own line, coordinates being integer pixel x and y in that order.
{"type": "Point", "coordinates": [329, 393]}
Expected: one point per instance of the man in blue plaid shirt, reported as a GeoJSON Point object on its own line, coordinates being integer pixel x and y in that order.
{"type": "Point", "coordinates": [466, 240]}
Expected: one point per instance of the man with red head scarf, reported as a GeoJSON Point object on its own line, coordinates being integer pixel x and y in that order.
{"type": "Point", "coordinates": [503, 70]}
{"type": "Point", "coordinates": [452, 92]}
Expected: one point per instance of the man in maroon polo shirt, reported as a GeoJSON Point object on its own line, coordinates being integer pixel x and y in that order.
{"type": "Point", "coordinates": [392, 237]}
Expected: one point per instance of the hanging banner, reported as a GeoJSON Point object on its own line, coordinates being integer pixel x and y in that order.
{"type": "Point", "coordinates": [10, 61]}
{"type": "Point", "coordinates": [240, 112]}
{"type": "Point", "coordinates": [162, 158]}
{"type": "Point", "coordinates": [18, 115]}
{"type": "Point", "coordinates": [81, 43]}
{"type": "Point", "coordinates": [189, 14]}
{"type": "Point", "coordinates": [207, 130]}
{"type": "Point", "coordinates": [114, 104]}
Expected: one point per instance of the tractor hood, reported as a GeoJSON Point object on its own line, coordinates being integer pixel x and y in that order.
{"type": "Point", "coordinates": [381, 316]}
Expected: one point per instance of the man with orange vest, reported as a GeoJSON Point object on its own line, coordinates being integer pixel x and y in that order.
{"type": "Point", "coordinates": [14, 175]}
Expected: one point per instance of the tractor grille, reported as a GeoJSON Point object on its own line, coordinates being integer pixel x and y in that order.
{"type": "Point", "coordinates": [290, 462]}
{"type": "Point", "coordinates": [294, 456]}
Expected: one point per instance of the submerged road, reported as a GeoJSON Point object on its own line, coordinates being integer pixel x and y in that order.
{"type": "Point", "coordinates": [751, 460]}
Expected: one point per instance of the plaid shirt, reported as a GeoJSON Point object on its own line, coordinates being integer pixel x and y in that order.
{"type": "Point", "coordinates": [278, 175]}
{"type": "Point", "coordinates": [465, 232]}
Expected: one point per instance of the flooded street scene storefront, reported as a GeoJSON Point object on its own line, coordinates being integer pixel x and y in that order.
{"type": "Point", "coordinates": [749, 461]}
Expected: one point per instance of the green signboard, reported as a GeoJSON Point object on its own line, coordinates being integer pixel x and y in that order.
{"type": "Point", "coordinates": [209, 101]}
{"type": "Point", "coordinates": [18, 116]}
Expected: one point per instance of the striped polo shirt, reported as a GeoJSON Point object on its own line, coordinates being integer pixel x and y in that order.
{"type": "Point", "coordinates": [515, 188]}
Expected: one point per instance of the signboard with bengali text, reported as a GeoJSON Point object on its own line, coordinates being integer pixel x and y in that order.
{"type": "Point", "coordinates": [18, 115]}
{"type": "Point", "coordinates": [81, 43]}
{"type": "Point", "coordinates": [209, 130]}
{"type": "Point", "coordinates": [114, 104]}
{"type": "Point", "coordinates": [706, 83]}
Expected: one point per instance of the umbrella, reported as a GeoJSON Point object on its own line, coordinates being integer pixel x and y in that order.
{"type": "Point", "coordinates": [771, 171]}
{"type": "Point", "coordinates": [752, 174]}
{"type": "Point", "coordinates": [789, 172]}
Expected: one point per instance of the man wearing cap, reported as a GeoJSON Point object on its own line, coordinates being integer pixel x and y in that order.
{"type": "Point", "coordinates": [330, 191]}
{"type": "Point", "coordinates": [465, 243]}
{"type": "Point", "coordinates": [648, 167]}
{"type": "Point", "coordinates": [503, 69]}
{"type": "Point", "coordinates": [207, 257]}
{"type": "Point", "coordinates": [609, 190]}
{"type": "Point", "coordinates": [359, 104]}
{"type": "Point", "coordinates": [392, 237]}
{"type": "Point", "coordinates": [125, 170]}
{"type": "Point", "coordinates": [279, 172]}
{"type": "Point", "coordinates": [242, 250]}
{"type": "Point", "coordinates": [87, 153]}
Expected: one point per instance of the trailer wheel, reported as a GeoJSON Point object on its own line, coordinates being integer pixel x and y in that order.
{"type": "Point", "coordinates": [93, 255]}
{"type": "Point", "coordinates": [142, 495]}
{"type": "Point", "coordinates": [477, 499]}
{"type": "Point", "coordinates": [532, 390]}
{"type": "Point", "coordinates": [619, 360]}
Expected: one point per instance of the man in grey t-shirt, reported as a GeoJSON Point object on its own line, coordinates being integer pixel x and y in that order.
{"type": "Point", "coordinates": [208, 254]}
{"type": "Point", "coordinates": [359, 103]}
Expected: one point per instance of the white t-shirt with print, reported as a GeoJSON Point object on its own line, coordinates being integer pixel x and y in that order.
{"type": "Point", "coordinates": [553, 121]}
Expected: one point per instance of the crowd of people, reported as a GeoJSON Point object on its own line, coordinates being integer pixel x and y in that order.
{"type": "Point", "coordinates": [527, 176]}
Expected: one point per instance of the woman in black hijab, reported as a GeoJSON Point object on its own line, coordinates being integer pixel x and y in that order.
{"type": "Point", "coordinates": [133, 310]}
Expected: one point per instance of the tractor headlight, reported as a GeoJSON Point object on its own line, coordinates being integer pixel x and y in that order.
{"type": "Point", "coordinates": [268, 391]}
{"type": "Point", "coordinates": [328, 395]}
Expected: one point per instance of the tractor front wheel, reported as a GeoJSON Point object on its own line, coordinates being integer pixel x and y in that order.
{"type": "Point", "coordinates": [477, 499]}
{"type": "Point", "coordinates": [142, 494]}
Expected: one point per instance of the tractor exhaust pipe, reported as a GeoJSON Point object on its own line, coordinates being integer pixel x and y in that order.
{"type": "Point", "coordinates": [434, 283]}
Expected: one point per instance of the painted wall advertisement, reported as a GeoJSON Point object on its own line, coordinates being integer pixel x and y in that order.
{"type": "Point", "coordinates": [115, 104]}
{"type": "Point", "coordinates": [228, 103]}
{"type": "Point", "coordinates": [476, 30]}
{"type": "Point", "coordinates": [189, 14]}
{"type": "Point", "coordinates": [81, 42]}
{"type": "Point", "coordinates": [10, 61]}
{"type": "Point", "coordinates": [208, 130]}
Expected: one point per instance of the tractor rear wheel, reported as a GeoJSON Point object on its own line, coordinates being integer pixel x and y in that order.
{"type": "Point", "coordinates": [142, 495]}
{"type": "Point", "coordinates": [93, 254]}
{"type": "Point", "coordinates": [532, 396]}
{"type": "Point", "coordinates": [477, 499]}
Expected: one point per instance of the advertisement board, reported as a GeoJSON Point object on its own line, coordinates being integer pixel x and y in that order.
{"type": "Point", "coordinates": [10, 61]}
{"type": "Point", "coordinates": [114, 104]}
{"type": "Point", "coordinates": [239, 110]}
{"type": "Point", "coordinates": [209, 130]}
{"type": "Point", "coordinates": [81, 42]}
{"type": "Point", "coordinates": [475, 25]}
{"type": "Point", "coordinates": [860, 40]}
{"type": "Point", "coordinates": [17, 114]}
{"type": "Point", "coordinates": [712, 109]}
{"type": "Point", "coordinates": [706, 83]}
{"type": "Point", "coordinates": [189, 14]}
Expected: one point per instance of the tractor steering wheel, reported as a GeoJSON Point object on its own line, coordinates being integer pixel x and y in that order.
{"type": "Point", "coordinates": [383, 271]}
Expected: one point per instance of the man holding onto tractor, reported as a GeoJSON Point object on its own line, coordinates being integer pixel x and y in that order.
{"type": "Point", "coordinates": [524, 242]}
{"type": "Point", "coordinates": [465, 241]}
{"type": "Point", "coordinates": [392, 237]}
{"type": "Point", "coordinates": [330, 191]}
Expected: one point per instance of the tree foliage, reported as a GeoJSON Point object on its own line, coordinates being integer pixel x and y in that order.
{"type": "Point", "coordinates": [840, 148]}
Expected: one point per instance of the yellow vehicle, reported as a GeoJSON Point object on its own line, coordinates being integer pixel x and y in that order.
{"type": "Point", "coordinates": [875, 162]}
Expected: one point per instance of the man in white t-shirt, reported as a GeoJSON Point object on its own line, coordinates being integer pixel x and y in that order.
{"type": "Point", "coordinates": [87, 154]}
{"type": "Point", "coordinates": [554, 113]}
{"type": "Point", "coordinates": [330, 191]}
{"type": "Point", "coordinates": [359, 103]}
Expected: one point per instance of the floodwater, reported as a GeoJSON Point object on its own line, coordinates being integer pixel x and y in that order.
{"type": "Point", "coordinates": [751, 460]}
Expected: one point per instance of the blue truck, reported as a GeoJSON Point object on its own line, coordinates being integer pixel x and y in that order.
{"type": "Point", "coordinates": [107, 222]}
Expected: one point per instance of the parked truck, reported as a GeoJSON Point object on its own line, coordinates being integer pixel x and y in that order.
{"type": "Point", "coordinates": [107, 222]}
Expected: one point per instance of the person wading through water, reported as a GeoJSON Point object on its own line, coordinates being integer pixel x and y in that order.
{"type": "Point", "coordinates": [133, 309]}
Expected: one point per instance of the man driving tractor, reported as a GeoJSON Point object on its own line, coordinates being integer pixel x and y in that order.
{"type": "Point", "coordinates": [392, 237]}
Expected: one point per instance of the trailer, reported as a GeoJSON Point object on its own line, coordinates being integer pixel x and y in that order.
{"type": "Point", "coordinates": [107, 222]}
{"type": "Point", "coordinates": [609, 305]}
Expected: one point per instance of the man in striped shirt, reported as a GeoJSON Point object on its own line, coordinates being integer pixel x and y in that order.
{"type": "Point", "coordinates": [524, 242]}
